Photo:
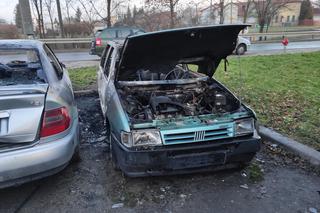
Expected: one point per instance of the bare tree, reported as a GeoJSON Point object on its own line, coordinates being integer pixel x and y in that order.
{"type": "Point", "coordinates": [49, 6]}
{"type": "Point", "coordinates": [68, 3]}
{"type": "Point", "coordinates": [89, 12]}
{"type": "Point", "coordinates": [247, 7]}
{"type": "Point", "coordinates": [111, 6]}
{"type": "Point", "coordinates": [39, 10]}
{"type": "Point", "coordinates": [170, 4]}
{"type": "Point", "coordinates": [60, 18]}
{"type": "Point", "coordinates": [109, 13]}
{"type": "Point", "coordinates": [18, 17]}
{"type": "Point", "coordinates": [266, 10]}
{"type": "Point", "coordinates": [221, 11]}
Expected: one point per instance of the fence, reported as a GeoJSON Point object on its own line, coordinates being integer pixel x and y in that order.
{"type": "Point", "coordinates": [76, 43]}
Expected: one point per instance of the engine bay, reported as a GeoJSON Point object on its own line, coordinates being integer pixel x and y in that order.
{"type": "Point", "coordinates": [156, 102]}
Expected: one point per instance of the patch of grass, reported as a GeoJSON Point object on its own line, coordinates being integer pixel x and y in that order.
{"type": "Point", "coordinates": [284, 90]}
{"type": "Point", "coordinates": [83, 78]}
{"type": "Point", "coordinates": [255, 172]}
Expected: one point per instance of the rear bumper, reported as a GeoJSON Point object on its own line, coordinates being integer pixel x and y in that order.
{"type": "Point", "coordinates": [41, 160]}
{"type": "Point", "coordinates": [189, 158]}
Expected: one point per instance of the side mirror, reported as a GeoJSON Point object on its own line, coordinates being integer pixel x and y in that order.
{"type": "Point", "coordinates": [63, 65]}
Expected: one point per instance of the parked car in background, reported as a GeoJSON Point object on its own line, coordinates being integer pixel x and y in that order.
{"type": "Point", "coordinates": [165, 118]}
{"type": "Point", "coordinates": [101, 37]}
{"type": "Point", "coordinates": [39, 129]}
{"type": "Point", "coordinates": [242, 45]}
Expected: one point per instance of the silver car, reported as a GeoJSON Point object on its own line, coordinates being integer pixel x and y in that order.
{"type": "Point", "coordinates": [39, 129]}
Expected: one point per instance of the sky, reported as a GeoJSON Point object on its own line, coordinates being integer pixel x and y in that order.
{"type": "Point", "coordinates": [7, 9]}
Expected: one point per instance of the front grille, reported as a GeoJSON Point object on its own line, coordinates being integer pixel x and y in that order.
{"type": "Point", "coordinates": [198, 134]}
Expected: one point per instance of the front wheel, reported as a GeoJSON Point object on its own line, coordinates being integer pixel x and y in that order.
{"type": "Point", "coordinates": [241, 49]}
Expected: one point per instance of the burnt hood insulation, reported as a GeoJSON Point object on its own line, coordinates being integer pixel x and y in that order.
{"type": "Point", "coordinates": [195, 45]}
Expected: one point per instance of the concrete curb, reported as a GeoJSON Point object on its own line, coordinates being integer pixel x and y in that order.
{"type": "Point", "coordinates": [80, 93]}
{"type": "Point", "coordinates": [305, 152]}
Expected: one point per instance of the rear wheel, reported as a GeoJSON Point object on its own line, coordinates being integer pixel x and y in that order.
{"type": "Point", "coordinates": [76, 155]}
{"type": "Point", "coordinates": [241, 49]}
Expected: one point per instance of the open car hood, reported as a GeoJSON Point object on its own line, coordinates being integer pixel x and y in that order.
{"type": "Point", "coordinates": [195, 45]}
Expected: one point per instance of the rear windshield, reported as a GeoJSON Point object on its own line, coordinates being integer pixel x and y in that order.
{"type": "Point", "coordinates": [123, 33]}
{"type": "Point", "coordinates": [98, 33]}
{"type": "Point", "coordinates": [110, 34]}
{"type": "Point", "coordinates": [20, 66]}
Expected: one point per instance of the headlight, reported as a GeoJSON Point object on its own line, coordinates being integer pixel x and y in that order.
{"type": "Point", "coordinates": [244, 126]}
{"type": "Point", "coordinates": [141, 138]}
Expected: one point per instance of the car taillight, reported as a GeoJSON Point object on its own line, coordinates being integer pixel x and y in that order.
{"type": "Point", "coordinates": [55, 121]}
{"type": "Point", "coordinates": [98, 42]}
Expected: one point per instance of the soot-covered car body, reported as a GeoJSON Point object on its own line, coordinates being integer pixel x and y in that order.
{"type": "Point", "coordinates": [39, 130]}
{"type": "Point", "coordinates": [167, 119]}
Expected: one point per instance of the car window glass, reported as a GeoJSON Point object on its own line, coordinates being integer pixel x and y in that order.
{"type": "Point", "coordinates": [103, 56]}
{"type": "Point", "coordinates": [98, 33]}
{"type": "Point", "coordinates": [108, 62]}
{"type": "Point", "coordinates": [54, 62]}
{"type": "Point", "coordinates": [138, 32]}
{"type": "Point", "coordinates": [20, 66]}
{"type": "Point", "coordinates": [123, 33]}
{"type": "Point", "coordinates": [111, 34]}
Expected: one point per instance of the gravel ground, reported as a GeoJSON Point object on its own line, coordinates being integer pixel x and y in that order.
{"type": "Point", "coordinates": [276, 181]}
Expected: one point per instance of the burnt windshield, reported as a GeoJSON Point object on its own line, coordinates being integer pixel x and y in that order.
{"type": "Point", "coordinates": [20, 66]}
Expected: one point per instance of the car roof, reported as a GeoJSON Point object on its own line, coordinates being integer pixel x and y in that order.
{"type": "Point", "coordinates": [120, 28]}
{"type": "Point", "coordinates": [21, 44]}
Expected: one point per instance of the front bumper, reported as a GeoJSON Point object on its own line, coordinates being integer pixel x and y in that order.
{"type": "Point", "coordinates": [189, 158]}
{"type": "Point", "coordinates": [41, 160]}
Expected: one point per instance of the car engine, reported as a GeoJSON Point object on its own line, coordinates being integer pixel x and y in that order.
{"type": "Point", "coordinates": [151, 103]}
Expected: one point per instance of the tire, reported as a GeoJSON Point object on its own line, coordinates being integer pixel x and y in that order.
{"type": "Point", "coordinates": [76, 157]}
{"type": "Point", "coordinates": [241, 49]}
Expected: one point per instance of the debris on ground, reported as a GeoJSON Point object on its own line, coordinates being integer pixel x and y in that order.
{"type": "Point", "coordinates": [117, 205]}
{"type": "Point", "coordinates": [313, 210]}
{"type": "Point", "coordinates": [244, 186]}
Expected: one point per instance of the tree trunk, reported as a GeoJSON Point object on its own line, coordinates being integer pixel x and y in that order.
{"type": "Point", "coordinates": [60, 19]}
{"type": "Point", "coordinates": [41, 18]}
{"type": "Point", "coordinates": [109, 13]}
{"type": "Point", "coordinates": [51, 21]}
{"type": "Point", "coordinates": [171, 14]}
{"type": "Point", "coordinates": [68, 12]}
{"type": "Point", "coordinates": [261, 23]}
{"type": "Point", "coordinates": [221, 12]}
{"type": "Point", "coordinates": [245, 15]}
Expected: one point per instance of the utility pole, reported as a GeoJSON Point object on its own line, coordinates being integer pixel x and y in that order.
{"type": "Point", "coordinates": [26, 18]}
{"type": "Point", "coordinates": [60, 19]}
{"type": "Point", "coordinates": [231, 12]}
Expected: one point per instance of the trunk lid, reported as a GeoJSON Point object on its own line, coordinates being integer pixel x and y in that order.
{"type": "Point", "coordinates": [210, 43]}
{"type": "Point", "coordinates": [21, 109]}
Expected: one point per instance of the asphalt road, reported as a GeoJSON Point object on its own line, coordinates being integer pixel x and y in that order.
{"type": "Point", "coordinates": [274, 48]}
{"type": "Point", "coordinates": [287, 184]}
{"type": "Point", "coordinates": [254, 49]}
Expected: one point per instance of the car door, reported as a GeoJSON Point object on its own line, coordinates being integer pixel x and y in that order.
{"type": "Point", "coordinates": [103, 78]}
{"type": "Point", "coordinates": [100, 71]}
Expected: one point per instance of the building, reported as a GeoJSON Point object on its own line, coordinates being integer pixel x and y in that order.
{"type": "Point", "coordinates": [316, 16]}
{"type": "Point", "coordinates": [288, 15]}
{"type": "Point", "coordinates": [211, 14]}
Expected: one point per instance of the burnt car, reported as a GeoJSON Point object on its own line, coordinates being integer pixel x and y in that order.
{"type": "Point", "coordinates": [39, 128]}
{"type": "Point", "coordinates": [167, 113]}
